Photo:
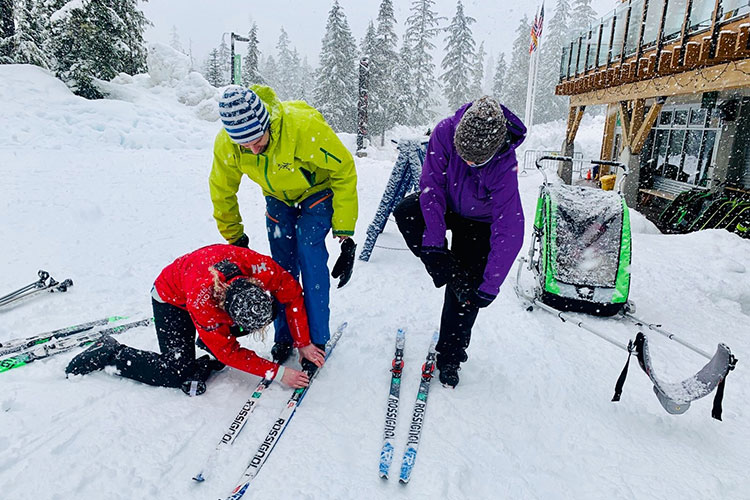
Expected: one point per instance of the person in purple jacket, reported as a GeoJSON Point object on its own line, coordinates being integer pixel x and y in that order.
{"type": "Point", "coordinates": [469, 186]}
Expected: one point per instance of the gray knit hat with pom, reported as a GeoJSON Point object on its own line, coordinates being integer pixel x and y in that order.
{"type": "Point", "coordinates": [481, 131]}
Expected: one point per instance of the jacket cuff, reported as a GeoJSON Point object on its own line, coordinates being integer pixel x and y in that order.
{"type": "Point", "coordinates": [279, 374]}
{"type": "Point", "coordinates": [342, 232]}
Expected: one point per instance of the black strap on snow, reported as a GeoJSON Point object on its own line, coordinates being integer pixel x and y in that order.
{"type": "Point", "coordinates": [623, 374]}
{"type": "Point", "coordinates": [719, 397]}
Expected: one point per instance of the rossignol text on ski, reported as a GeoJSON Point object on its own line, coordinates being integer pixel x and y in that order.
{"type": "Point", "coordinates": [417, 417]}
{"type": "Point", "coordinates": [391, 414]}
{"type": "Point", "coordinates": [277, 428]}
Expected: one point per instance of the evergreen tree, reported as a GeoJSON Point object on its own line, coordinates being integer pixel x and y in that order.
{"type": "Point", "coordinates": [130, 45]}
{"type": "Point", "coordinates": [548, 106]}
{"type": "Point", "coordinates": [459, 59]}
{"type": "Point", "coordinates": [489, 74]}
{"type": "Point", "coordinates": [174, 40]}
{"type": "Point", "coordinates": [335, 93]}
{"type": "Point", "coordinates": [213, 70]}
{"type": "Point", "coordinates": [7, 31]}
{"type": "Point", "coordinates": [517, 76]}
{"type": "Point", "coordinates": [367, 45]}
{"type": "Point", "coordinates": [284, 86]}
{"type": "Point", "coordinates": [477, 85]}
{"type": "Point", "coordinates": [251, 63]}
{"type": "Point", "coordinates": [583, 16]}
{"type": "Point", "coordinates": [30, 33]}
{"type": "Point", "coordinates": [270, 71]}
{"type": "Point", "coordinates": [498, 81]}
{"type": "Point", "coordinates": [403, 86]}
{"type": "Point", "coordinates": [307, 81]}
{"type": "Point", "coordinates": [296, 82]}
{"type": "Point", "coordinates": [225, 62]}
{"type": "Point", "coordinates": [383, 63]}
{"type": "Point", "coordinates": [97, 39]}
{"type": "Point", "coordinates": [422, 26]}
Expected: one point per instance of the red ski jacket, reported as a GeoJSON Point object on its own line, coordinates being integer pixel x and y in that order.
{"type": "Point", "coordinates": [188, 283]}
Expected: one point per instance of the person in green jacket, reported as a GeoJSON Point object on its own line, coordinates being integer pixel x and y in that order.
{"type": "Point", "coordinates": [309, 182]}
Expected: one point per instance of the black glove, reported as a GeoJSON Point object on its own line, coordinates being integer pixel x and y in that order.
{"type": "Point", "coordinates": [345, 263]}
{"type": "Point", "coordinates": [243, 241]}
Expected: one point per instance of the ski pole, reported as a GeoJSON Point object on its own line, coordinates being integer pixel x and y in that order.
{"type": "Point", "coordinates": [40, 283]}
{"type": "Point", "coordinates": [53, 286]}
{"type": "Point", "coordinates": [666, 333]}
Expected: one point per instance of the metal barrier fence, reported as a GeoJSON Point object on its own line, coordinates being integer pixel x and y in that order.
{"type": "Point", "coordinates": [530, 157]}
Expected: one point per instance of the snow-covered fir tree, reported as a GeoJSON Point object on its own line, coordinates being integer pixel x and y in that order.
{"type": "Point", "coordinates": [382, 69]}
{"type": "Point", "coordinates": [174, 40]}
{"type": "Point", "coordinates": [270, 71]}
{"type": "Point", "coordinates": [458, 62]}
{"type": "Point", "coordinates": [422, 26]}
{"type": "Point", "coordinates": [225, 62]}
{"type": "Point", "coordinates": [335, 94]}
{"type": "Point", "coordinates": [489, 74]}
{"type": "Point", "coordinates": [367, 45]}
{"type": "Point", "coordinates": [7, 31]}
{"type": "Point", "coordinates": [582, 16]}
{"type": "Point", "coordinates": [517, 75]}
{"type": "Point", "coordinates": [130, 45]}
{"type": "Point", "coordinates": [30, 35]}
{"type": "Point", "coordinates": [212, 70]}
{"type": "Point", "coordinates": [477, 74]}
{"type": "Point", "coordinates": [548, 106]}
{"type": "Point", "coordinates": [296, 86]}
{"type": "Point", "coordinates": [498, 80]}
{"type": "Point", "coordinates": [403, 86]}
{"type": "Point", "coordinates": [285, 86]}
{"type": "Point", "coordinates": [251, 63]}
{"type": "Point", "coordinates": [97, 39]}
{"type": "Point", "coordinates": [307, 81]}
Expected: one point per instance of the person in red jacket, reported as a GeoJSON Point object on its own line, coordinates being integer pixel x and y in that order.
{"type": "Point", "coordinates": [221, 292]}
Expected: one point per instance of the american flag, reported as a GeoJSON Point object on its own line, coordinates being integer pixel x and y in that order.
{"type": "Point", "coordinates": [536, 30]}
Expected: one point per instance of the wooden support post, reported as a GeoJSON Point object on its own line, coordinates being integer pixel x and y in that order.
{"type": "Point", "coordinates": [636, 119]}
{"type": "Point", "coordinates": [640, 138]}
{"type": "Point", "coordinates": [610, 123]}
{"type": "Point", "coordinates": [575, 115]}
{"type": "Point", "coordinates": [625, 122]}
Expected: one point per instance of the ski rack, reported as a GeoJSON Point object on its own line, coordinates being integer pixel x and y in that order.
{"type": "Point", "coordinates": [675, 398]}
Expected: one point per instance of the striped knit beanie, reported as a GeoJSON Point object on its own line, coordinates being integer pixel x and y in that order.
{"type": "Point", "coordinates": [243, 114]}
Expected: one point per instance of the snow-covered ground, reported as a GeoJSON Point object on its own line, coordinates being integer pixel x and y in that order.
{"type": "Point", "coordinates": [109, 192]}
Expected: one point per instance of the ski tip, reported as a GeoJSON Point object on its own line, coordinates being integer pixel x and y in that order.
{"type": "Point", "coordinates": [384, 477]}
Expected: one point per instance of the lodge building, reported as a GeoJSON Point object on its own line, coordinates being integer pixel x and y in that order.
{"type": "Point", "coordinates": [675, 77]}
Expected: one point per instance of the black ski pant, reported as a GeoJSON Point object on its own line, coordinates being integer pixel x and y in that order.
{"type": "Point", "coordinates": [470, 246]}
{"type": "Point", "coordinates": [176, 362]}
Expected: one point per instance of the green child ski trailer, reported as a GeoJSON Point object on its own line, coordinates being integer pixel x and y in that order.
{"type": "Point", "coordinates": [580, 259]}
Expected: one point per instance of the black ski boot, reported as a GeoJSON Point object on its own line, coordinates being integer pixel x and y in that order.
{"type": "Point", "coordinates": [204, 368]}
{"type": "Point", "coordinates": [449, 375]}
{"type": "Point", "coordinates": [280, 352]}
{"type": "Point", "coordinates": [308, 366]}
{"type": "Point", "coordinates": [102, 353]}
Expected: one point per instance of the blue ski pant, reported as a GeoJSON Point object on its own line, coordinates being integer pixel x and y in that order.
{"type": "Point", "coordinates": [297, 238]}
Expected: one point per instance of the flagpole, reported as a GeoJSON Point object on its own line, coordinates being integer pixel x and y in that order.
{"type": "Point", "coordinates": [531, 79]}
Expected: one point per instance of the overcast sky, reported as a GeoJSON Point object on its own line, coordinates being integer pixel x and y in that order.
{"type": "Point", "coordinates": [201, 23]}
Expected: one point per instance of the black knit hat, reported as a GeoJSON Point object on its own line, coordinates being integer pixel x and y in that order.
{"type": "Point", "coordinates": [248, 305]}
{"type": "Point", "coordinates": [481, 131]}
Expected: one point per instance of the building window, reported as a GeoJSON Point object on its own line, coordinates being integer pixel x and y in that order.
{"type": "Point", "coordinates": [684, 144]}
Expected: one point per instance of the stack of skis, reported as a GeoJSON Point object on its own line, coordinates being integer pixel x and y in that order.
{"type": "Point", "coordinates": [19, 352]}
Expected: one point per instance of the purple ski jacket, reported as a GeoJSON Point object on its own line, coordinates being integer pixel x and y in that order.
{"type": "Point", "coordinates": [487, 194]}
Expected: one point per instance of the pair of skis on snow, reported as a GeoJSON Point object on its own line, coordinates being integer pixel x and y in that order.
{"type": "Point", "coordinates": [20, 352]}
{"type": "Point", "coordinates": [274, 433]}
{"type": "Point", "coordinates": [417, 418]}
